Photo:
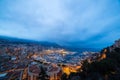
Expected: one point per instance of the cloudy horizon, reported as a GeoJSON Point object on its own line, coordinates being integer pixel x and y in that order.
{"type": "Point", "coordinates": [84, 23]}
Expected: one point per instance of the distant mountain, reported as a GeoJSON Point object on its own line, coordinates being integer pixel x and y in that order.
{"type": "Point", "coordinates": [13, 40]}
{"type": "Point", "coordinates": [6, 40]}
{"type": "Point", "coordinates": [80, 49]}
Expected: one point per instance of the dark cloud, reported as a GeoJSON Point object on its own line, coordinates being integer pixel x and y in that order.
{"type": "Point", "coordinates": [81, 23]}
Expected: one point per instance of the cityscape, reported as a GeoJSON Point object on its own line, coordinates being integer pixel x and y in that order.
{"type": "Point", "coordinates": [25, 61]}
{"type": "Point", "coordinates": [31, 61]}
{"type": "Point", "coordinates": [59, 39]}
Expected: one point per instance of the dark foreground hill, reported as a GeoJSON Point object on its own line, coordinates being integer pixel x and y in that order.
{"type": "Point", "coordinates": [107, 68]}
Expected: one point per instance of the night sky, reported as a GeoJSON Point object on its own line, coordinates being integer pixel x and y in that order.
{"type": "Point", "coordinates": [81, 23]}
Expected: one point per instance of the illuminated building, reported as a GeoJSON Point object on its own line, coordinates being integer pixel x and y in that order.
{"type": "Point", "coordinates": [54, 72]}
{"type": "Point", "coordinates": [33, 72]}
{"type": "Point", "coordinates": [70, 68]}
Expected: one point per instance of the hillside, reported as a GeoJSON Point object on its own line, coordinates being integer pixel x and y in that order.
{"type": "Point", "coordinates": [12, 40]}
{"type": "Point", "coordinates": [105, 67]}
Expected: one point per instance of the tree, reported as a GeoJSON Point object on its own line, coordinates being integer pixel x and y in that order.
{"type": "Point", "coordinates": [64, 76]}
{"type": "Point", "coordinates": [43, 75]}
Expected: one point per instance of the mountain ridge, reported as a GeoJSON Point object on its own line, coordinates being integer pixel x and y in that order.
{"type": "Point", "coordinates": [6, 39]}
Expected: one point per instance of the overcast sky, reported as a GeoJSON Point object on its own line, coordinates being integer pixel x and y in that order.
{"type": "Point", "coordinates": [83, 23]}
